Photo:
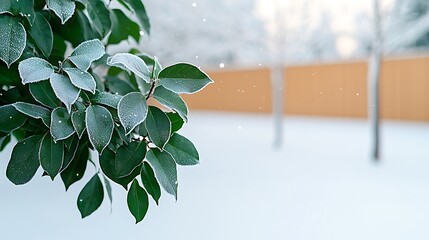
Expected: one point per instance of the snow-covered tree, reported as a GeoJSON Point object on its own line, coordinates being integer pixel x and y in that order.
{"type": "Point", "coordinates": [207, 32]}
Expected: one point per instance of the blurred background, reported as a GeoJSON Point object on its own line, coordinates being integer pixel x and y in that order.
{"type": "Point", "coordinates": [316, 127]}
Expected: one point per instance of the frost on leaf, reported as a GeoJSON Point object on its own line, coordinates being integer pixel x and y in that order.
{"type": "Point", "coordinates": [64, 89]}
{"type": "Point", "coordinates": [99, 125]}
{"type": "Point", "coordinates": [131, 63]}
{"type": "Point", "coordinates": [183, 78]}
{"type": "Point", "coordinates": [12, 39]}
{"type": "Point", "coordinates": [132, 110]}
{"type": "Point", "coordinates": [64, 9]}
{"type": "Point", "coordinates": [87, 52]}
{"type": "Point", "coordinates": [81, 79]}
{"type": "Point", "coordinates": [34, 70]}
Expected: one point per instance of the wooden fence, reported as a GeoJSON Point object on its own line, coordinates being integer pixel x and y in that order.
{"type": "Point", "coordinates": [337, 89]}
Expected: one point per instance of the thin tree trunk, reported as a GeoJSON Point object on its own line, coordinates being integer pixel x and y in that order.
{"type": "Point", "coordinates": [277, 80]}
{"type": "Point", "coordinates": [374, 85]}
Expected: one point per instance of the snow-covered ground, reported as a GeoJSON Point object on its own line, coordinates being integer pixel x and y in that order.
{"type": "Point", "coordinates": [320, 185]}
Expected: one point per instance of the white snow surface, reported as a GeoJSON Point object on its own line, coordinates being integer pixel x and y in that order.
{"type": "Point", "coordinates": [320, 185]}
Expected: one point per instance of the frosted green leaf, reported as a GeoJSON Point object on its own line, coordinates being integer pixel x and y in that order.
{"type": "Point", "coordinates": [42, 92]}
{"type": "Point", "coordinates": [34, 70]}
{"type": "Point", "coordinates": [12, 39]}
{"type": "Point", "coordinates": [132, 110]}
{"type": "Point", "coordinates": [128, 157]}
{"type": "Point", "coordinates": [61, 124]}
{"type": "Point", "coordinates": [64, 9]}
{"type": "Point", "coordinates": [99, 16]}
{"type": "Point", "coordinates": [10, 118]}
{"type": "Point", "coordinates": [165, 170]}
{"type": "Point", "coordinates": [64, 89]}
{"type": "Point", "coordinates": [81, 79]}
{"type": "Point", "coordinates": [131, 63]}
{"type": "Point", "coordinates": [24, 161]}
{"type": "Point", "coordinates": [41, 32]}
{"type": "Point", "coordinates": [149, 182]}
{"type": "Point", "coordinates": [138, 201]}
{"type": "Point", "coordinates": [78, 121]}
{"type": "Point", "coordinates": [182, 150]}
{"type": "Point", "coordinates": [34, 111]}
{"type": "Point", "coordinates": [51, 155]}
{"type": "Point", "coordinates": [99, 125]}
{"type": "Point", "coordinates": [137, 7]}
{"type": "Point", "coordinates": [107, 99]}
{"type": "Point", "coordinates": [91, 197]}
{"type": "Point", "coordinates": [158, 126]}
{"type": "Point", "coordinates": [71, 145]}
{"type": "Point", "coordinates": [183, 78]}
{"type": "Point", "coordinates": [171, 100]}
{"type": "Point", "coordinates": [14, 7]}
{"type": "Point", "coordinates": [86, 53]}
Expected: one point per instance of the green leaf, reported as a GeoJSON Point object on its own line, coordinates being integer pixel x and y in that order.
{"type": "Point", "coordinates": [138, 201]}
{"type": "Point", "coordinates": [87, 52]}
{"type": "Point", "coordinates": [9, 76]}
{"type": "Point", "coordinates": [64, 9]}
{"type": "Point", "coordinates": [150, 183]}
{"type": "Point", "coordinates": [34, 111]}
{"type": "Point", "coordinates": [99, 125]}
{"type": "Point", "coordinates": [78, 121]}
{"type": "Point", "coordinates": [51, 155]}
{"type": "Point", "coordinates": [41, 32]}
{"type": "Point", "coordinates": [107, 99]}
{"type": "Point", "coordinates": [122, 28]}
{"type": "Point", "coordinates": [143, 86]}
{"type": "Point", "coordinates": [183, 78]}
{"type": "Point", "coordinates": [176, 121]}
{"type": "Point", "coordinates": [131, 63]}
{"type": "Point", "coordinates": [61, 124]}
{"type": "Point", "coordinates": [12, 39]}
{"type": "Point", "coordinates": [152, 63]}
{"type": "Point", "coordinates": [24, 161]}
{"type": "Point", "coordinates": [171, 100]}
{"type": "Point", "coordinates": [43, 93]}
{"type": "Point", "coordinates": [91, 197]}
{"type": "Point", "coordinates": [4, 140]}
{"type": "Point", "coordinates": [75, 170]}
{"type": "Point", "coordinates": [140, 12]}
{"type": "Point", "coordinates": [158, 126]}
{"type": "Point", "coordinates": [165, 170]}
{"type": "Point", "coordinates": [23, 8]}
{"type": "Point", "coordinates": [108, 165]}
{"type": "Point", "coordinates": [108, 190]}
{"type": "Point", "coordinates": [132, 110]}
{"type": "Point", "coordinates": [99, 16]}
{"type": "Point", "coordinates": [71, 145]}
{"type": "Point", "coordinates": [128, 158]}
{"type": "Point", "coordinates": [182, 150]}
{"type": "Point", "coordinates": [118, 86]}
{"type": "Point", "coordinates": [64, 89]}
{"type": "Point", "coordinates": [10, 118]}
{"type": "Point", "coordinates": [34, 70]}
{"type": "Point", "coordinates": [81, 79]}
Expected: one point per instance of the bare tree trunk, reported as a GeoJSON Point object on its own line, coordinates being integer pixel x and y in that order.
{"type": "Point", "coordinates": [374, 70]}
{"type": "Point", "coordinates": [277, 80]}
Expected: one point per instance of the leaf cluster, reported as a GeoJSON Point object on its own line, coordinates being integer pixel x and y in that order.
{"type": "Point", "coordinates": [62, 96]}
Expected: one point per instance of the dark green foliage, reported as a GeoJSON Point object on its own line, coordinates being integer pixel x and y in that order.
{"type": "Point", "coordinates": [60, 109]}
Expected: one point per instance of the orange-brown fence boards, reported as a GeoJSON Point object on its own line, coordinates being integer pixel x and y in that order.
{"type": "Point", "coordinates": [338, 89]}
{"type": "Point", "coordinates": [405, 89]}
{"type": "Point", "coordinates": [327, 90]}
{"type": "Point", "coordinates": [239, 91]}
